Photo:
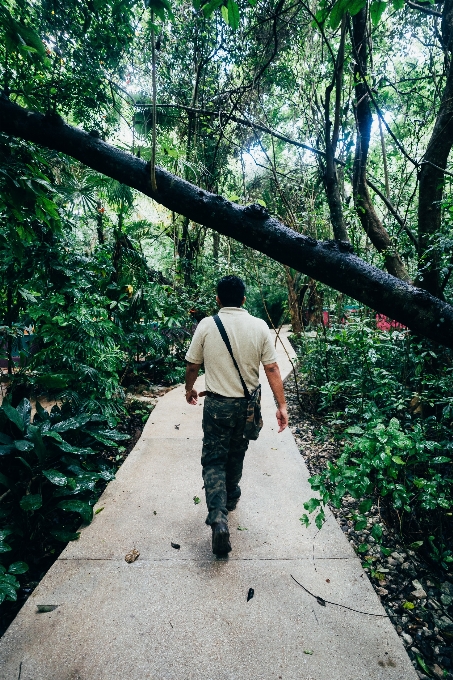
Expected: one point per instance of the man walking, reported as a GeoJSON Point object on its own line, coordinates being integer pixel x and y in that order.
{"type": "Point", "coordinates": [232, 375]}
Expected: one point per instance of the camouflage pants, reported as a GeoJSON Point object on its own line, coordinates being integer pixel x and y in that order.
{"type": "Point", "coordinates": [223, 454]}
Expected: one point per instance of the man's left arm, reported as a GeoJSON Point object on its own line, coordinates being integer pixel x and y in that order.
{"type": "Point", "coordinates": [191, 376]}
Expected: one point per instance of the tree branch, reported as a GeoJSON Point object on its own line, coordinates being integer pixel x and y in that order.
{"type": "Point", "coordinates": [425, 10]}
{"type": "Point", "coordinates": [330, 262]}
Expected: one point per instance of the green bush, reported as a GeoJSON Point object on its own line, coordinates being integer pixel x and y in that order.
{"type": "Point", "coordinates": [387, 397]}
{"type": "Point", "coordinates": [52, 471]}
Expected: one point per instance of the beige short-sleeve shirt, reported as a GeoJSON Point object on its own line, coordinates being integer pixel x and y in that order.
{"type": "Point", "coordinates": [251, 342]}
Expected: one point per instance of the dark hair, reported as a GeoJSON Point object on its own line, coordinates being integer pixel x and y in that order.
{"type": "Point", "coordinates": [231, 291]}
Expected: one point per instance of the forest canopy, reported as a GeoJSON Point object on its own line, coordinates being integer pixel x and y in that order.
{"type": "Point", "coordinates": [333, 117]}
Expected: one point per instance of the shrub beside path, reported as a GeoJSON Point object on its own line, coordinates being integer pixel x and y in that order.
{"type": "Point", "coordinates": [179, 613]}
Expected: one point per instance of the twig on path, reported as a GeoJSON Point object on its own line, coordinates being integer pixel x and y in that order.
{"type": "Point", "coordinates": [323, 602]}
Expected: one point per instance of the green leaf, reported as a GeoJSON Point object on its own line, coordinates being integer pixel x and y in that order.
{"type": "Point", "coordinates": [40, 448]}
{"type": "Point", "coordinates": [68, 448]}
{"type": "Point", "coordinates": [376, 531]}
{"type": "Point", "coordinates": [423, 665]}
{"type": "Point", "coordinates": [376, 10]}
{"type": "Point", "coordinates": [312, 504]}
{"type": "Point", "coordinates": [104, 440]}
{"type": "Point", "coordinates": [31, 502]}
{"type": "Point", "coordinates": [365, 506]}
{"type": "Point", "coordinates": [84, 509]}
{"type": "Point", "coordinates": [5, 439]}
{"type": "Point", "coordinates": [5, 481]}
{"type": "Point", "coordinates": [416, 545]}
{"type": "Point", "coordinates": [4, 533]}
{"type": "Point", "coordinates": [65, 536]}
{"type": "Point", "coordinates": [8, 590]}
{"type": "Point", "coordinates": [18, 568]}
{"type": "Point", "coordinates": [224, 12]}
{"type": "Point", "coordinates": [398, 4]}
{"type": "Point", "coordinates": [4, 547]}
{"type": "Point", "coordinates": [320, 519]}
{"type": "Point", "coordinates": [337, 12]}
{"type": "Point", "coordinates": [355, 429]}
{"type": "Point", "coordinates": [23, 445]}
{"type": "Point", "coordinates": [304, 519]}
{"type": "Point", "coordinates": [233, 14]}
{"type": "Point", "coordinates": [12, 414]}
{"type": "Point", "coordinates": [354, 6]}
{"type": "Point", "coordinates": [363, 547]}
{"type": "Point", "coordinates": [196, 500]}
{"type": "Point", "coordinates": [53, 380]}
{"type": "Point", "coordinates": [111, 434]}
{"type": "Point", "coordinates": [408, 605]}
{"type": "Point", "coordinates": [398, 460]}
{"type": "Point", "coordinates": [360, 525]}
{"type": "Point", "coordinates": [71, 423]}
{"type": "Point", "coordinates": [210, 7]}
{"type": "Point", "coordinates": [24, 411]}
{"type": "Point", "coordinates": [440, 459]}
{"type": "Point", "coordinates": [55, 477]}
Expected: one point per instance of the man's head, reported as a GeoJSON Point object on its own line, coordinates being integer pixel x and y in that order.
{"type": "Point", "coordinates": [231, 291]}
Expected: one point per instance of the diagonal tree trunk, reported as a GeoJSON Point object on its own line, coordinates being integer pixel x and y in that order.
{"type": "Point", "coordinates": [330, 262]}
{"type": "Point", "coordinates": [368, 217]}
{"type": "Point", "coordinates": [431, 176]}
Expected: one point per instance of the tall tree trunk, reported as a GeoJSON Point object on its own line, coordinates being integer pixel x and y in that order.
{"type": "Point", "coordinates": [331, 134]}
{"type": "Point", "coordinates": [368, 217]}
{"type": "Point", "coordinates": [293, 302]}
{"type": "Point", "coordinates": [215, 246]}
{"type": "Point", "coordinates": [100, 223]}
{"type": "Point", "coordinates": [431, 176]}
{"type": "Point", "coordinates": [330, 262]}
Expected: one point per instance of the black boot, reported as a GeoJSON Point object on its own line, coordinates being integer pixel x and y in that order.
{"type": "Point", "coordinates": [220, 538]}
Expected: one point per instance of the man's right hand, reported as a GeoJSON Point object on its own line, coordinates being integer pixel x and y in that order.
{"type": "Point", "coordinates": [282, 418]}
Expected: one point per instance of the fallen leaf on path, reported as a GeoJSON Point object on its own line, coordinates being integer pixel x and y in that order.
{"type": "Point", "coordinates": [308, 651]}
{"type": "Point", "coordinates": [98, 511]}
{"type": "Point", "coordinates": [176, 546]}
{"type": "Point", "coordinates": [242, 529]}
{"type": "Point", "coordinates": [177, 426]}
{"type": "Point", "coordinates": [321, 601]}
{"type": "Point", "coordinates": [196, 500]}
{"type": "Point", "coordinates": [132, 556]}
{"type": "Point", "coordinates": [43, 608]}
{"type": "Point", "coordinates": [154, 513]}
{"type": "Point", "coordinates": [250, 594]}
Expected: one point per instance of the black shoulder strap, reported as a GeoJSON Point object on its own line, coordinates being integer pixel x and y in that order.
{"type": "Point", "coordinates": [226, 340]}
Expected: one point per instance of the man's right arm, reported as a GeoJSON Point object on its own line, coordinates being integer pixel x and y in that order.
{"type": "Point", "coordinates": [275, 381]}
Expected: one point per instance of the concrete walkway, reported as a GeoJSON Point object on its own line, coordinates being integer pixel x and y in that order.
{"type": "Point", "coordinates": [182, 614]}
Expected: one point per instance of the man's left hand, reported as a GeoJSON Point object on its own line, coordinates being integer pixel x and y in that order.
{"type": "Point", "coordinates": [192, 397]}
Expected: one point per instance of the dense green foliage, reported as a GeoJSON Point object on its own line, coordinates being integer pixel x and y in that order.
{"type": "Point", "coordinates": [387, 398]}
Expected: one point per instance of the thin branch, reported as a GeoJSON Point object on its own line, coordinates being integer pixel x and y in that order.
{"type": "Point", "coordinates": [241, 121]}
{"type": "Point", "coordinates": [422, 8]}
{"type": "Point", "coordinates": [393, 211]}
{"type": "Point", "coordinates": [323, 602]}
